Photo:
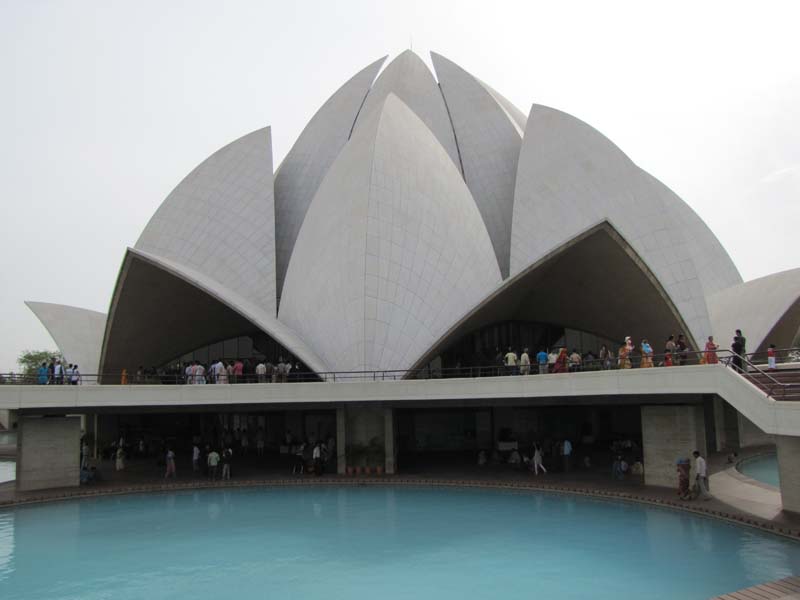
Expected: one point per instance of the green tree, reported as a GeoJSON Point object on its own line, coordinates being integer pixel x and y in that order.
{"type": "Point", "coordinates": [30, 360]}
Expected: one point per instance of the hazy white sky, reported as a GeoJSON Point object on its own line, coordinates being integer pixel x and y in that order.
{"type": "Point", "coordinates": [106, 105]}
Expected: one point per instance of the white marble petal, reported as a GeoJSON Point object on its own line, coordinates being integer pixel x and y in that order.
{"type": "Point", "coordinates": [220, 220]}
{"type": "Point", "coordinates": [301, 172]}
{"type": "Point", "coordinates": [77, 332]}
{"type": "Point", "coordinates": [767, 310]}
{"type": "Point", "coordinates": [408, 78]}
{"type": "Point", "coordinates": [489, 141]}
{"type": "Point", "coordinates": [393, 250]}
{"type": "Point", "coordinates": [570, 177]}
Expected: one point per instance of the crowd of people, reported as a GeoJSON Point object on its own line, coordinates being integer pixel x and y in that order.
{"type": "Point", "coordinates": [676, 352]}
{"type": "Point", "coordinates": [219, 371]}
{"type": "Point", "coordinates": [55, 373]}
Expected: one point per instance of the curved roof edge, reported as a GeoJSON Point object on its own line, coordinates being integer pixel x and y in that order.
{"type": "Point", "coordinates": [236, 302]}
{"type": "Point", "coordinates": [767, 310]}
{"type": "Point", "coordinates": [220, 219]}
{"type": "Point", "coordinates": [78, 332]}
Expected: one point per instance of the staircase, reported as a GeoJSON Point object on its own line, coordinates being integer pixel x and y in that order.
{"type": "Point", "coordinates": [780, 385]}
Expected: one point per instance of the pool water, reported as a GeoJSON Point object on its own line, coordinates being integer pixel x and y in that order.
{"type": "Point", "coordinates": [332, 542]}
{"type": "Point", "coordinates": [8, 470]}
{"type": "Point", "coordinates": [762, 468]}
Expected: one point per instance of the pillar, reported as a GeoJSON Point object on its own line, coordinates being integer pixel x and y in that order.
{"type": "Point", "coordinates": [341, 441]}
{"type": "Point", "coordinates": [789, 471]}
{"type": "Point", "coordinates": [751, 435]}
{"type": "Point", "coordinates": [668, 433]}
{"type": "Point", "coordinates": [721, 438]}
{"type": "Point", "coordinates": [388, 438]}
{"type": "Point", "coordinates": [48, 452]}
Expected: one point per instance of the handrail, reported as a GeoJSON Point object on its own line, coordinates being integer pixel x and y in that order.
{"type": "Point", "coordinates": [635, 360]}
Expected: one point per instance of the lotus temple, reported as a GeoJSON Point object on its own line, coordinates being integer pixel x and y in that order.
{"type": "Point", "coordinates": [420, 230]}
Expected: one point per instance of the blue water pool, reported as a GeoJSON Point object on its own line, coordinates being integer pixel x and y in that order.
{"type": "Point", "coordinates": [375, 542]}
{"type": "Point", "coordinates": [762, 468]}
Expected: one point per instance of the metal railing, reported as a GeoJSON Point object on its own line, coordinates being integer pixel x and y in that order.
{"type": "Point", "coordinates": [765, 380]}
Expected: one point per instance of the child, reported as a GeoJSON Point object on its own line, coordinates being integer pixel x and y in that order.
{"type": "Point", "coordinates": [771, 357]}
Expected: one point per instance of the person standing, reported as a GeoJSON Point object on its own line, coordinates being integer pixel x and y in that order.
{"type": "Point", "coordinates": [683, 350]}
{"type": "Point", "coordinates": [261, 372]}
{"type": "Point", "coordinates": [669, 351]}
{"type": "Point", "coordinates": [701, 475]}
{"type": "Point", "coordinates": [537, 460]}
{"type": "Point", "coordinates": [227, 453]}
{"type": "Point", "coordinates": [510, 361]}
{"type": "Point", "coordinates": [58, 372]}
{"type": "Point", "coordinates": [711, 351]}
{"type": "Point", "coordinates": [75, 378]}
{"type": "Point", "coordinates": [120, 458]}
{"type": "Point", "coordinates": [647, 354]}
{"type": "Point", "coordinates": [739, 350]}
{"type": "Point", "coordinates": [213, 462]}
{"type": "Point", "coordinates": [541, 360]}
{"type": "Point", "coordinates": [195, 458]}
{"type": "Point", "coordinates": [605, 358]}
{"type": "Point", "coordinates": [41, 374]}
{"type": "Point", "coordinates": [771, 363]}
{"type": "Point", "coordinates": [316, 458]}
{"type": "Point", "coordinates": [567, 454]}
{"type": "Point", "coordinates": [525, 363]}
{"type": "Point", "coordinates": [171, 463]}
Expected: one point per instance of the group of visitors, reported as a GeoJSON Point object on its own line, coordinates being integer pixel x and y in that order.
{"type": "Point", "coordinates": [676, 352]}
{"type": "Point", "coordinates": [55, 373]}
{"type": "Point", "coordinates": [219, 371]}
{"type": "Point", "coordinates": [700, 488]}
{"type": "Point", "coordinates": [207, 461]}
{"type": "Point", "coordinates": [310, 457]}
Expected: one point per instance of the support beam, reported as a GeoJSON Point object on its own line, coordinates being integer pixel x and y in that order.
{"type": "Point", "coordinates": [789, 471]}
{"type": "Point", "coordinates": [48, 453]}
{"type": "Point", "coordinates": [669, 433]}
{"type": "Point", "coordinates": [388, 438]}
{"type": "Point", "coordinates": [341, 441]}
{"type": "Point", "coordinates": [751, 435]}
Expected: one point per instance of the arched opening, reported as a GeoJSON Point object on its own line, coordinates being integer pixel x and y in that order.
{"type": "Point", "coordinates": [158, 317]}
{"type": "Point", "coordinates": [594, 285]}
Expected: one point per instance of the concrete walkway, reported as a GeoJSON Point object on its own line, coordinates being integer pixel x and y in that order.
{"type": "Point", "coordinates": [747, 495]}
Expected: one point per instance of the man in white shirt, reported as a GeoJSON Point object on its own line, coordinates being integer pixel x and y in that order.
{"type": "Point", "coordinates": [701, 475]}
{"type": "Point", "coordinates": [261, 372]}
{"type": "Point", "coordinates": [511, 361]}
{"type": "Point", "coordinates": [525, 363]}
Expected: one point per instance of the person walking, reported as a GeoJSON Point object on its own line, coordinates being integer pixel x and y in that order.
{"type": "Point", "coordinates": [701, 475]}
{"type": "Point", "coordinates": [171, 463]}
{"type": "Point", "coordinates": [75, 377]}
{"type": "Point", "coordinates": [669, 351]}
{"type": "Point", "coordinates": [683, 350]}
{"type": "Point", "coordinates": [537, 460]}
{"type": "Point", "coordinates": [771, 362]}
{"type": "Point", "coordinates": [261, 372]}
{"type": "Point", "coordinates": [647, 355]}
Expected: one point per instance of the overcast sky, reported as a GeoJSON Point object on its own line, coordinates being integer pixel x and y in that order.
{"type": "Point", "coordinates": [105, 106]}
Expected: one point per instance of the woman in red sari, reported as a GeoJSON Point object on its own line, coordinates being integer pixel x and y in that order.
{"type": "Point", "coordinates": [711, 351]}
{"type": "Point", "coordinates": [561, 362]}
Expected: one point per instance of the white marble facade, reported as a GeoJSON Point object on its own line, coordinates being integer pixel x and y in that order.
{"type": "Point", "coordinates": [405, 204]}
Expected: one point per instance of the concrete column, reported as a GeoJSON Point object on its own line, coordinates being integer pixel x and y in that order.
{"type": "Point", "coordinates": [48, 453]}
{"type": "Point", "coordinates": [789, 470]}
{"type": "Point", "coordinates": [721, 441]}
{"type": "Point", "coordinates": [341, 441]}
{"type": "Point", "coordinates": [388, 438]}
{"type": "Point", "coordinates": [669, 433]}
{"type": "Point", "coordinates": [751, 435]}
